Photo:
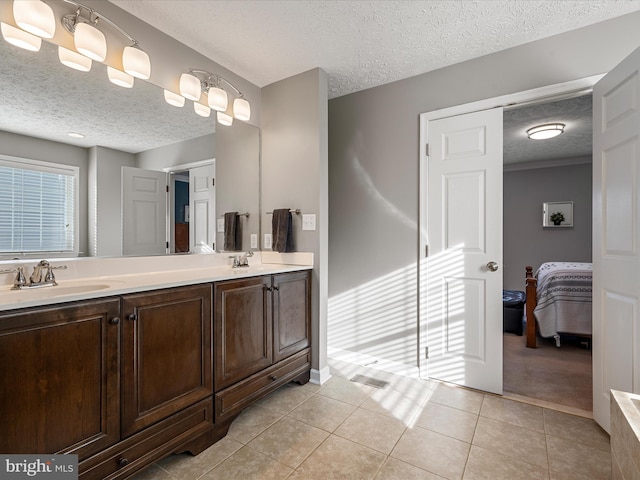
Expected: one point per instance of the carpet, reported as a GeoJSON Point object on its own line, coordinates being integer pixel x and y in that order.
{"type": "Point", "coordinates": [557, 375]}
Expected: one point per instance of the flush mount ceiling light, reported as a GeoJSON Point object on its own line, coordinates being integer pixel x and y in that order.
{"type": "Point", "coordinates": [20, 38]}
{"type": "Point", "coordinates": [217, 97]}
{"type": "Point", "coordinates": [92, 43]}
{"type": "Point", "coordinates": [548, 130]}
{"type": "Point", "coordinates": [75, 135]}
{"type": "Point", "coordinates": [35, 17]}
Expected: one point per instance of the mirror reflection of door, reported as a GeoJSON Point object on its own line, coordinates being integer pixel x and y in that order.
{"type": "Point", "coordinates": [144, 212]}
{"type": "Point", "coordinates": [202, 208]}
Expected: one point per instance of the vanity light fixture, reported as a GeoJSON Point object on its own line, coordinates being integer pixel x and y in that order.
{"type": "Point", "coordinates": [74, 60]}
{"type": "Point", "coordinates": [195, 82]}
{"type": "Point", "coordinates": [119, 78]}
{"type": "Point", "coordinates": [35, 16]}
{"type": "Point", "coordinates": [20, 38]}
{"type": "Point", "coordinates": [548, 130]}
{"type": "Point", "coordinates": [92, 42]}
{"type": "Point", "coordinates": [173, 98]}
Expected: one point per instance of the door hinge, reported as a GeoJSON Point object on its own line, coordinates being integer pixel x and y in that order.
{"type": "Point", "coordinates": [167, 187]}
{"type": "Point", "coordinates": [167, 244]}
{"type": "Point", "coordinates": [426, 353]}
{"type": "Point", "coordinates": [426, 149]}
{"type": "Point", "coordinates": [426, 250]}
{"type": "Point", "coordinates": [213, 182]}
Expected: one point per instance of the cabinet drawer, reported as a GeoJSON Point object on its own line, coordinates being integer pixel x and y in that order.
{"type": "Point", "coordinates": [155, 442]}
{"type": "Point", "coordinates": [232, 400]}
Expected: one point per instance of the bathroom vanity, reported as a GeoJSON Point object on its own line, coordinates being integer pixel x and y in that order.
{"type": "Point", "coordinates": [129, 374]}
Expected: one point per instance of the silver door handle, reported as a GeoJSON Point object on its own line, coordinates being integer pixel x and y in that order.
{"type": "Point", "coordinates": [492, 266]}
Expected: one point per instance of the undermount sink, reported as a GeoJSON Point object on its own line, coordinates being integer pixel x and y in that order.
{"type": "Point", "coordinates": [37, 293]}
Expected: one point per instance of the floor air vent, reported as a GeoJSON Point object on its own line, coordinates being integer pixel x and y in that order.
{"type": "Point", "coordinates": [370, 381]}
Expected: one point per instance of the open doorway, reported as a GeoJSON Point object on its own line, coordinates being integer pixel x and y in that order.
{"type": "Point", "coordinates": [180, 211]}
{"type": "Point", "coordinates": [537, 172]}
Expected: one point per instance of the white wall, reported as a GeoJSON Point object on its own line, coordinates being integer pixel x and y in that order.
{"type": "Point", "coordinates": [187, 151]}
{"type": "Point", "coordinates": [294, 175]}
{"type": "Point", "coordinates": [373, 175]}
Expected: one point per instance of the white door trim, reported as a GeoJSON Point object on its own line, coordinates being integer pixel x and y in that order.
{"type": "Point", "coordinates": [188, 166]}
{"type": "Point", "coordinates": [536, 94]}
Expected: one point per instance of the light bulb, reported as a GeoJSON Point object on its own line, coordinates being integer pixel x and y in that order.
{"type": "Point", "coordinates": [74, 60]}
{"type": "Point", "coordinates": [173, 99]}
{"type": "Point", "coordinates": [136, 62]}
{"type": "Point", "coordinates": [201, 110]}
{"type": "Point", "coordinates": [224, 119]}
{"type": "Point", "coordinates": [119, 78]}
{"type": "Point", "coordinates": [20, 38]}
{"type": "Point", "coordinates": [241, 109]}
{"type": "Point", "coordinates": [35, 17]}
{"type": "Point", "coordinates": [190, 86]}
{"type": "Point", "coordinates": [218, 99]}
{"type": "Point", "coordinates": [90, 42]}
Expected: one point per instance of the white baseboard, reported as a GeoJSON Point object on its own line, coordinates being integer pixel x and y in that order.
{"type": "Point", "coordinates": [320, 377]}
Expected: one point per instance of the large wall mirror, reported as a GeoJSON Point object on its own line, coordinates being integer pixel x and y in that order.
{"type": "Point", "coordinates": [42, 101]}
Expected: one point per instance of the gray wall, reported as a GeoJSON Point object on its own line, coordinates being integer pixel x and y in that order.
{"type": "Point", "coordinates": [525, 241]}
{"type": "Point", "coordinates": [373, 174]}
{"type": "Point", "coordinates": [47, 151]}
{"type": "Point", "coordinates": [105, 200]}
{"type": "Point", "coordinates": [294, 175]}
{"type": "Point", "coordinates": [237, 153]}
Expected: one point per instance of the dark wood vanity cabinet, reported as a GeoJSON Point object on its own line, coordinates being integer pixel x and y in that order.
{"type": "Point", "coordinates": [166, 354]}
{"type": "Point", "coordinates": [59, 386]}
{"type": "Point", "coordinates": [125, 381]}
{"type": "Point", "coordinates": [262, 337]}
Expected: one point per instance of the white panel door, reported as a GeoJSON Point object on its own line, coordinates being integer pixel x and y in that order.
{"type": "Point", "coordinates": [464, 228]}
{"type": "Point", "coordinates": [616, 231]}
{"type": "Point", "coordinates": [202, 209]}
{"type": "Point", "coordinates": [144, 212]}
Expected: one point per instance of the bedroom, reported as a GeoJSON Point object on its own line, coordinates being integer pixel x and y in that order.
{"type": "Point", "coordinates": [535, 172]}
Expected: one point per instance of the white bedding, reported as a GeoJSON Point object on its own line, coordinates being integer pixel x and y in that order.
{"type": "Point", "coordinates": [564, 298]}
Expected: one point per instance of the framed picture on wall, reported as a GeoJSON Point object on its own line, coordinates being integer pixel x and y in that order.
{"type": "Point", "coordinates": [557, 214]}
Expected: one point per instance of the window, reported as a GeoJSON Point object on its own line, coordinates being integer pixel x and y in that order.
{"type": "Point", "coordinates": [38, 207]}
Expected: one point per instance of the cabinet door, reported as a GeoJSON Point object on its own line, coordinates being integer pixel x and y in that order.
{"type": "Point", "coordinates": [59, 379]}
{"type": "Point", "coordinates": [166, 345]}
{"type": "Point", "coordinates": [291, 313]}
{"type": "Point", "coordinates": [243, 329]}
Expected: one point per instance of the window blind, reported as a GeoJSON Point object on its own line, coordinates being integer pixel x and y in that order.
{"type": "Point", "coordinates": [37, 208]}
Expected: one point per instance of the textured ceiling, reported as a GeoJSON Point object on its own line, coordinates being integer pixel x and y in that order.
{"type": "Point", "coordinates": [575, 113]}
{"type": "Point", "coordinates": [361, 44]}
{"type": "Point", "coordinates": [42, 98]}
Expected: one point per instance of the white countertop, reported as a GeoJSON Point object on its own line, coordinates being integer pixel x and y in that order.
{"type": "Point", "coordinates": [98, 278]}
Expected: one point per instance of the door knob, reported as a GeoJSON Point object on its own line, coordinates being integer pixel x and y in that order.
{"type": "Point", "coordinates": [492, 266]}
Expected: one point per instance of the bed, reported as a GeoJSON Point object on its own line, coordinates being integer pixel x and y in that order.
{"type": "Point", "coordinates": [558, 296]}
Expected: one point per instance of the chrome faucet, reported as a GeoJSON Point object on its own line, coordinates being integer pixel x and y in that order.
{"type": "Point", "coordinates": [42, 275]}
{"type": "Point", "coordinates": [242, 260]}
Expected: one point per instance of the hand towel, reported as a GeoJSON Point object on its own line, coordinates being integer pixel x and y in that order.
{"type": "Point", "coordinates": [282, 231]}
{"type": "Point", "coordinates": [232, 232]}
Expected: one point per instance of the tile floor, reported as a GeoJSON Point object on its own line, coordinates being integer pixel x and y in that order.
{"type": "Point", "coordinates": [411, 430]}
